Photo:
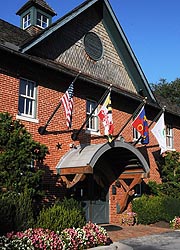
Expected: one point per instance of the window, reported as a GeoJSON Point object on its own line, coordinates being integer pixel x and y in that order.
{"type": "Point", "coordinates": [92, 123]}
{"type": "Point", "coordinates": [27, 99]}
{"type": "Point", "coordinates": [136, 136]}
{"type": "Point", "coordinates": [138, 190]}
{"type": "Point", "coordinates": [42, 20]}
{"type": "Point", "coordinates": [169, 137]}
{"type": "Point", "coordinates": [26, 21]}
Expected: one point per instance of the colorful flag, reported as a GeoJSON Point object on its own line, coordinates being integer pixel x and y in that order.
{"type": "Point", "coordinates": [105, 115]}
{"type": "Point", "coordinates": [67, 101]}
{"type": "Point", "coordinates": [141, 125]}
{"type": "Point", "coordinates": [159, 132]}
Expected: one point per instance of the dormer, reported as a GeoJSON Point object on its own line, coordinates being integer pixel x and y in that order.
{"type": "Point", "coordinates": [35, 15]}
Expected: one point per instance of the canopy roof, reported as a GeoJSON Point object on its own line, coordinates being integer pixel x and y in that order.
{"type": "Point", "coordinates": [83, 158]}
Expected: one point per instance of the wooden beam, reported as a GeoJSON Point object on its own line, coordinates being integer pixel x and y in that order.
{"type": "Point", "coordinates": [76, 170]}
{"type": "Point", "coordinates": [128, 189]}
{"type": "Point", "coordinates": [77, 178]}
{"type": "Point", "coordinates": [131, 175]}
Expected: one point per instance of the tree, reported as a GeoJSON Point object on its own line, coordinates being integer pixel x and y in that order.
{"type": "Point", "coordinates": [18, 153]}
{"type": "Point", "coordinates": [170, 174]}
{"type": "Point", "coordinates": [168, 93]}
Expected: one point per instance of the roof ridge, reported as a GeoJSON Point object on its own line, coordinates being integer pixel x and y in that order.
{"type": "Point", "coordinates": [41, 3]}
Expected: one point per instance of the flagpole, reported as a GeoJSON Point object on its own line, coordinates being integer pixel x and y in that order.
{"type": "Point", "coordinates": [155, 119]}
{"type": "Point", "coordinates": [42, 129]}
{"type": "Point", "coordinates": [75, 134]}
{"type": "Point", "coordinates": [134, 113]}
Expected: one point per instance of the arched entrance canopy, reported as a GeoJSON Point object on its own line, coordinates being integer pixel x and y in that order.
{"type": "Point", "coordinates": [81, 160]}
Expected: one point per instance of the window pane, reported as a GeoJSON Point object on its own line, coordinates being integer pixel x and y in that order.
{"type": "Point", "coordinates": [92, 123]}
{"type": "Point", "coordinates": [39, 22]}
{"type": "Point", "coordinates": [30, 89]}
{"type": "Point", "coordinates": [29, 107]}
{"type": "Point", "coordinates": [44, 25]}
{"type": "Point", "coordinates": [38, 19]}
{"type": "Point", "coordinates": [26, 20]}
{"type": "Point", "coordinates": [42, 20]}
{"type": "Point", "coordinates": [21, 105]}
{"type": "Point", "coordinates": [93, 104]}
{"type": "Point", "coordinates": [169, 137]}
{"type": "Point", "coordinates": [23, 87]}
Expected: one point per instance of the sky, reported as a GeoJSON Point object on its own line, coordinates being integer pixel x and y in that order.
{"type": "Point", "coordinates": [152, 28]}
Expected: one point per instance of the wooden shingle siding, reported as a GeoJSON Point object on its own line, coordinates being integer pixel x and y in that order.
{"type": "Point", "coordinates": [109, 69]}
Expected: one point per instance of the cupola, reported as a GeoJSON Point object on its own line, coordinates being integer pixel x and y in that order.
{"type": "Point", "coordinates": [35, 15]}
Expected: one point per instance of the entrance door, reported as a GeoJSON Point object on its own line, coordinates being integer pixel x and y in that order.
{"type": "Point", "coordinates": [97, 205]}
{"type": "Point", "coordinates": [100, 208]}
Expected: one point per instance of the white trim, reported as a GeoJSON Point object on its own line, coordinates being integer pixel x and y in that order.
{"type": "Point", "coordinates": [25, 118]}
{"type": "Point", "coordinates": [94, 116]}
{"type": "Point", "coordinates": [24, 21]}
{"type": "Point", "coordinates": [30, 86]}
{"type": "Point", "coordinates": [41, 20]}
{"type": "Point", "coordinates": [92, 132]}
{"type": "Point", "coordinates": [169, 137]}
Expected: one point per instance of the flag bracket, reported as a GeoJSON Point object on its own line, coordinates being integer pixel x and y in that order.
{"type": "Point", "coordinates": [134, 113]}
{"type": "Point", "coordinates": [154, 120]}
{"type": "Point", "coordinates": [76, 133]}
{"type": "Point", "coordinates": [42, 129]}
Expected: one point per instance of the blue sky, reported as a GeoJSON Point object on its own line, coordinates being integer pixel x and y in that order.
{"type": "Point", "coordinates": [152, 28]}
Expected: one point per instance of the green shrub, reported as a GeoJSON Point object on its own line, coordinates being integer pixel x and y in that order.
{"type": "Point", "coordinates": [171, 207]}
{"type": "Point", "coordinates": [24, 211]}
{"type": "Point", "coordinates": [7, 212]}
{"type": "Point", "coordinates": [15, 212]}
{"type": "Point", "coordinates": [65, 214]}
{"type": "Point", "coordinates": [151, 209]}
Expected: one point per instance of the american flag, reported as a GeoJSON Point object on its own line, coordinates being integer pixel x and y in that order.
{"type": "Point", "coordinates": [67, 101]}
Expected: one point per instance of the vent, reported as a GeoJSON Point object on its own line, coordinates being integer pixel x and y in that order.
{"type": "Point", "coordinates": [93, 46]}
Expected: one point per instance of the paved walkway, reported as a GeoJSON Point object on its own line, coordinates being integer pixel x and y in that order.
{"type": "Point", "coordinates": [118, 233]}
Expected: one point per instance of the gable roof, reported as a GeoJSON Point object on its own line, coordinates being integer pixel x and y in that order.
{"type": "Point", "coordinates": [12, 34]}
{"type": "Point", "coordinates": [115, 32]}
{"type": "Point", "coordinates": [41, 4]}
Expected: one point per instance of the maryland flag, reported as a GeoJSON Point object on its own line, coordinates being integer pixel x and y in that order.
{"type": "Point", "coordinates": [105, 115]}
{"type": "Point", "coordinates": [141, 125]}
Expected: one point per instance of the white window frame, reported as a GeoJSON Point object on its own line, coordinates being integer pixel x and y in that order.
{"type": "Point", "coordinates": [40, 19]}
{"type": "Point", "coordinates": [169, 137]}
{"type": "Point", "coordinates": [94, 117]}
{"type": "Point", "coordinates": [28, 100]}
{"type": "Point", "coordinates": [26, 20]}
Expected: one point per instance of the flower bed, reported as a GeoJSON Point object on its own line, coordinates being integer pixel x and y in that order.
{"type": "Point", "coordinates": [175, 223]}
{"type": "Point", "coordinates": [91, 235]}
{"type": "Point", "coordinates": [128, 219]}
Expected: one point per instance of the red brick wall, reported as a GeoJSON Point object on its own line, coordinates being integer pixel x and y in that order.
{"type": "Point", "coordinates": [57, 132]}
{"type": "Point", "coordinates": [9, 89]}
{"type": "Point", "coordinates": [176, 134]}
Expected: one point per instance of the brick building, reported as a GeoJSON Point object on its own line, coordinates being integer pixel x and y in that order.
{"type": "Point", "coordinates": [39, 60]}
